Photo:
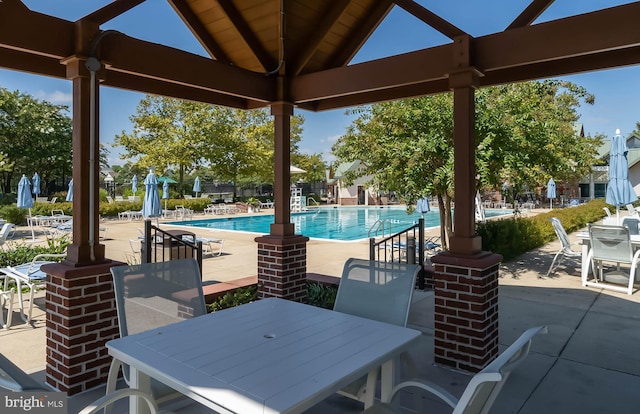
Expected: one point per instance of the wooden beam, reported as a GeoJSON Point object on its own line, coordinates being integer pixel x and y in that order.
{"type": "Point", "coordinates": [432, 19]}
{"type": "Point", "coordinates": [267, 61]}
{"type": "Point", "coordinates": [319, 32]}
{"type": "Point", "coordinates": [199, 31]}
{"type": "Point", "coordinates": [111, 11]}
{"type": "Point", "coordinates": [26, 62]}
{"type": "Point", "coordinates": [530, 14]}
{"type": "Point", "coordinates": [149, 60]}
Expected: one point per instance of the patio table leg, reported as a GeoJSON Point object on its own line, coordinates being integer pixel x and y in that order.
{"type": "Point", "coordinates": [142, 382]}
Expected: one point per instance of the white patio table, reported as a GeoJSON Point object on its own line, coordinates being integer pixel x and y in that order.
{"type": "Point", "coordinates": [269, 356]}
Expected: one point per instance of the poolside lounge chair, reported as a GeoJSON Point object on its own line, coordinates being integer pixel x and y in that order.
{"type": "Point", "coordinates": [7, 231]}
{"type": "Point", "coordinates": [481, 392]}
{"type": "Point", "coordinates": [13, 379]}
{"type": "Point", "coordinates": [375, 290]}
{"type": "Point", "coordinates": [565, 245]}
{"type": "Point", "coordinates": [151, 295]}
{"type": "Point", "coordinates": [30, 275]}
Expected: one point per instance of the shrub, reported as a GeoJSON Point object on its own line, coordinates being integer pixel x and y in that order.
{"type": "Point", "coordinates": [24, 253]}
{"type": "Point", "coordinates": [13, 214]}
{"type": "Point", "coordinates": [237, 297]}
{"type": "Point", "coordinates": [321, 295]}
{"type": "Point", "coordinates": [514, 236]}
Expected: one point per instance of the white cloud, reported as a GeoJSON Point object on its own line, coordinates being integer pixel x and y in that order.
{"type": "Point", "coordinates": [56, 97]}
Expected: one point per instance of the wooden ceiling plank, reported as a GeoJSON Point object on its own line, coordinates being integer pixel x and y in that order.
{"type": "Point", "coordinates": [200, 32]}
{"type": "Point", "coordinates": [432, 19]}
{"type": "Point", "coordinates": [150, 60]}
{"type": "Point", "coordinates": [266, 60]}
{"type": "Point", "coordinates": [359, 35]}
{"type": "Point", "coordinates": [35, 32]}
{"type": "Point", "coordinates": [111, 11]}
{"type": "Point", "coordinates": [530, 14]}
{"type": "Point", "coordinates": [14, 7]}
{"type": "Point", "coordinates": [319, 32]}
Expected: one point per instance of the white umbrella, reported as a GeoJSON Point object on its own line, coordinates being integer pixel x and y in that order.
{"type": "Point", "coordinates": [196, 186]}
{"type": "Point", "coordinates": [70, 192]}
{"type": "Point", "coordinates": [26, 201]}
{"type": "Point", "coordinates": [551, 191]}
{"type": "Point", "coordinates": [295, 170]}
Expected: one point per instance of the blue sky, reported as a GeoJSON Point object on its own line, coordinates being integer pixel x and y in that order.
{"type": "Point", "coordinates": [616, 91]}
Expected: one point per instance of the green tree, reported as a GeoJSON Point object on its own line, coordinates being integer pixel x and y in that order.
{"type": "Point", "coordinates": [524, 135]}
{"type": "Point", "coordinates": [35, 136]}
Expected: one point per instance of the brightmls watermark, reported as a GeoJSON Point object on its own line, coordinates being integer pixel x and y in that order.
{"type": "Point", "coordinates": [33, 402]}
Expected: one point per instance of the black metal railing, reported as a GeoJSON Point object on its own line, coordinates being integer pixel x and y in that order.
{"type": "Point", "coordinates": [405, 246]}
{"type": "Point", "coordinates": [160, 245]}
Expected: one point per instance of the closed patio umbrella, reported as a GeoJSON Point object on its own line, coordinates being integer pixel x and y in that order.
{"type": "Point", "coordinates": [619, 189]}
{"type": "Point", "coordinates": [151, 204]}
{"type": "Point", "coordinates": [70, 192]}
{"type": "Point", "coordinates": [134, 184]}
{"type": "Point", "coordinates": [36, 184]}
{"type": "Point", "coordinates": [422, 206]}
{"type": "Point", "coordinates": [165, 192]}
{"type": "Point", "coordinates": [25, 200]}
{"type": "Point", "coordinates": [551, 191]}
{"type": "Point", "coordinates": [196, 186]}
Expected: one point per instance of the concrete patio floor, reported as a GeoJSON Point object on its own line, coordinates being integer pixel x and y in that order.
{"type": "Point", "coordinates": [587, 363]}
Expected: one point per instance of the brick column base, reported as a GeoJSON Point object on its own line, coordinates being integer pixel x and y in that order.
{"type": "Point", "coordinates": [466, 310]}
{"type": "Point", "coordinates": [81, 318]}
{"type": "Point", "coordinates": [282, 267]}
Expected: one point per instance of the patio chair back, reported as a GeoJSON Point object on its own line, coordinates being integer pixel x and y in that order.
{"type": "Point", "coordinates": [611, 243]}
{"type": "Point", "coordinates": [631, 224]}
{"type": "Point", "coordinates": [151, 295]}
{"type": "Point", "coordinates": [565, 245]}
{"type": "Point", "coordinates": [482, 390]}
{"type": "Point", "coordinates": [377, 290]}
{"type": "Point", "coordinates": [561, 233]}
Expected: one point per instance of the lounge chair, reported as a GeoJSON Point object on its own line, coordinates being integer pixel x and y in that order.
{"type": "Point", "coordinates": [375, 290]}
{"type": "Point", "coordinates": [30, 275]}
{"type": "Point", "coordinates": [565, 246]}
{"type": "Point", "coordinates": [482, 390]}
{"type": "Point", "coordinates": [6, 298]}
{"type": "Point", "coordinates": [606, 210]}
{"type": "Point", "coordinates": [151, 295]}
{"type": "Point", "coordinates": [7, 231]}
{"type": "Point", "coordinates": [13, 379]}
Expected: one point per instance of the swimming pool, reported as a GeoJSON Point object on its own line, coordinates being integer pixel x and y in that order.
{"type": "Point", "coordinates": [332, 223]}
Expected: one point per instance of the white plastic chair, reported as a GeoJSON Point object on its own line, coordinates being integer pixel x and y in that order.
{"type": "Point", "coordinates": [151, 295]}
{"type": "Point", "coordinates": [482, 390]}
{"type": "Point", "coordinates": [611, 244]}
{"type": "Point", "coordinates": [7, 231]}
{"type": "Point", "coordinates": [380, 291]}
{"type": "Point", "coordinates": [606, 210]}
{"type": "Point", "coordinates": [565, 245]}
{"type": "Point", "coordinates": [29, 274]}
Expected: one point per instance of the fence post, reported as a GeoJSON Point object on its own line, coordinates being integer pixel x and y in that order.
{"type": "Point", "coordinates": [146, 254]}
{"type": "Point", "coordinates": [411, 250]}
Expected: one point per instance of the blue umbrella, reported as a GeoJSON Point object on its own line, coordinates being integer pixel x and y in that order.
{"type": "Point", "coordinates": [70, 192]}
{"type": "Point", "coordinates": [196, 186]}
{"type": "Point", "coordinates": [165, 192]}
{"type": "Point", "coordinates": [551, 191]}
{"type": "Point", "coordinates": [151, 204]}
{"type": "Point", "coordinates": [24, 193]}
{"type": "Point", "coordinates": [134, 184]}
{"type": "Point", "coordinates": [36, 184]}
{"type": "Point", "coordinates": [422, 206]}
{"type": "Point", "coordinates": [619, 189]}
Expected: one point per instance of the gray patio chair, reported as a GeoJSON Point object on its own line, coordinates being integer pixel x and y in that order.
{"type": "Point", "coordinates": [13, 379]}
{"type": "Point", "coordinates": [565, 246]}
{"type": "Point", "coordinates": [482, 390]}
{"type": "Point", "coordinates": [611, 244]}
{"type": "Point", "coordinates": [380, 291]}
{"type": "Point", "coordinates": [151, 295]}
{"type": "Point", "coordinates": [632, 224]}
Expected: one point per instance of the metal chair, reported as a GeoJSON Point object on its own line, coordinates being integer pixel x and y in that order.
{"type": "Point", "coordinates": [611, 244]}
{"type": "Point", "coordinates": [13, 379]}
{"type": "Point", "coordinates": [151, 295]}
{"type": "Point", "coordinates": [565, 245]}
{"type": "Point", "coordinates": [632, 224]}
{"type": "Point", "coordinates": [380, 291]}
{"type": "Point", "coordinates": [482, 390]}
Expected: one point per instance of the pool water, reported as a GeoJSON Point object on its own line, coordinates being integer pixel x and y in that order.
{"type": "Point", "coordinates": [332, 223]}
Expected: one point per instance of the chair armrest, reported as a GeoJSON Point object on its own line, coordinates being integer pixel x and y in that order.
{"type": "Point", "coordinates": [109, 399]}
{"type": "Point", "coordinates": [37, 261]}
{"type": "Point", "coordinates": [432, 388]}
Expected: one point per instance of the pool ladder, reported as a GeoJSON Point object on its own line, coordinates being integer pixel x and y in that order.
{"type": "Point", "coordinates": [380, 225]}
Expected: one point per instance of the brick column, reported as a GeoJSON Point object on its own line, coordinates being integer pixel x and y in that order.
{"type": "Point", "coordinates": [466, 309]}
{"type": "Point", "coordinates": [282, 267]}
{"type": "Point", "coordinates": [81, 318]}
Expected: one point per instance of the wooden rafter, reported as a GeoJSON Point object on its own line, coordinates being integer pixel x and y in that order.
{"type": "Point", "coordinates": [111, 11]}
{"type": "Point", "coordinates": [530, 14]}
{"type": "Point", "coordinates": [319, 32]}
{"type": "Point", "coordinates": [199, 31]}
{"type": "Point", "coordinates": [430, 18]}
{"type": "Point", "coordinates": [266, 60]}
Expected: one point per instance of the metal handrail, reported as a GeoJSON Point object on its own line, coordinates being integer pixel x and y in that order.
{"type": "Point", "coordinates": [377, 225]}
{"type": "Point", "coordinates": [167, 246]}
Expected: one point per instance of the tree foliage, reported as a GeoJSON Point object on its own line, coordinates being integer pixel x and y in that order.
{"type": "Point", "coordinates": [35, 136]}
{"type": "Point", "coordinates": [524, 135]}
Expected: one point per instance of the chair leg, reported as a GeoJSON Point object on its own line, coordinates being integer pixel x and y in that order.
{"type": "Point", "coordinates": [112, 380]}
{"type": "Point", "coordinates": [553, 263]}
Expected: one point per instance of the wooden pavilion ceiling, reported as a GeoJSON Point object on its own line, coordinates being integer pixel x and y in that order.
{"type": "Point", "coordinates": [261, 51]}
